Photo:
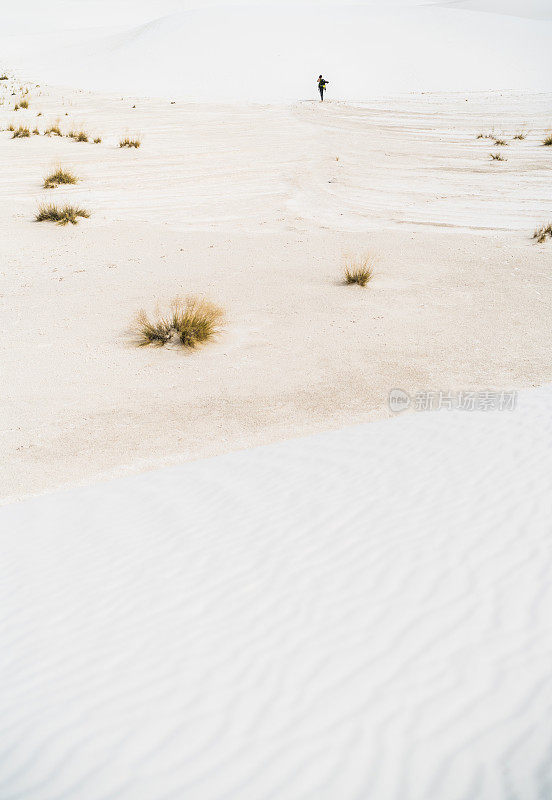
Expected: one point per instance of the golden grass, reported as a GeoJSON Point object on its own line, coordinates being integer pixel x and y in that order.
{"type": "Point", "coordinates": [36, 132]}
{"type": "Point", "coordinates": [23, 104]}
{"type": "Point", "coordinates": [78, 136]}
{"type": "Point", "coordinates": [53, 130]}
{"type": "Point", "coordinates": [58, 177]}
{"type": "Point", "coordinates": [62, 215]}
{"type": "Point", "coordinates": [359, 271]}
{"type": "Point", "coordinates": [501, 142]}
{"type": "Point", "coordinates": [520, 136]}
{"type": "Point", "coordinates": [126, 142]}
{"type": "Point", "coordinates": [21, 133]}
{"type": "Point", "coordinates": [4, 78]}
{"type": "Point", "coordinates": [98, 140]}
{"type": "Point", "coordinates": [543, 233]}
{"type": "Point", "coordinates": [190, 322]}
{"type": "Point", "coordinates": [497, 157]}
{"type": "Point", "coordinates": [547, 142]}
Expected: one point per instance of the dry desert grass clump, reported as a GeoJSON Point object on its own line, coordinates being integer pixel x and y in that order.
{"type": "Point", "coordinates": [520, 136]}
{"type": "Point", "coordinates": [58, 177]}
{"type": "Point", "coordinates": [78, 136]}
{"type": "Point", "coordinates": [127, 142]}
{"type": "Point", "coordinates": [36, 132]}
{"type": "Point", "coordinates": [359, 271]}
{"type": "Point", "coordinates": [547, 142]}
{"type": "Point", "coordinates": [501, 142]}
{"type": "Point", "coordinates": [190, 322]}
{"type": "Point", "coordinates": [4, 78]}
{"type": "Point", "coordinates": [497, 157]}
{"type": "Point", "coordinates": [21, 133]}
{"type": "Point", "coordinates": [98, 140]}
{"type": "Point", "coordinates": [23, 103]}
{"type": "Point", "coordinates": [53, 130]}
{"type": "Point", "coordinates": [543, 233]}
{"type": "Point", "coordinates": [62, 215]}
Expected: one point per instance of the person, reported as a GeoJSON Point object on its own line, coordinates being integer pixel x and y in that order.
{"type": "Point", "coordinates": [322, 87]}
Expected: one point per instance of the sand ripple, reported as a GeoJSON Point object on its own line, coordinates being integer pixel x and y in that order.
{"type": "Point", "coordinates": [362, 614]}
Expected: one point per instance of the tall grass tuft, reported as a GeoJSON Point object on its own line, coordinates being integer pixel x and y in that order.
{"type": "Point", "coordinates": [53, 130]}
{"type": "Point", "coordinates": [548, 140]}
{"type": "Point", "coordinates": [62, 215]}
{"type": "Point", "coordinates": [126, 142]}
{"type": "Point", "coordinates": [58, 177]}
{"type": "Point", "coordinates": [78, 136]}
{"type": "Point", "coordinates": [190, 322]}
{"type": "Point", "coordinates": [498, 157]}
{"type": "Point", "coordinates": [543, 233]}
{"type": "Point", "coordinates": [21, 133]}
{"type": "Point", "coordinates": [359, 271]}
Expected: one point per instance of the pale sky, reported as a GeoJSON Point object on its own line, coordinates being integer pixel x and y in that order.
{"type": "Point", "coordinates": [37, 15]}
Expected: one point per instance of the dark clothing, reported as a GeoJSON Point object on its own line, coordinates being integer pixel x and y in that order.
{"type": "Point", "coordinates": [322, 87]}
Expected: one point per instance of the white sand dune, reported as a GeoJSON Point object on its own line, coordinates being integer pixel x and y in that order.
{"type": "Point", "coordinates": [273, 53]}
{"type": "Point", "coordinates": [362, 614]}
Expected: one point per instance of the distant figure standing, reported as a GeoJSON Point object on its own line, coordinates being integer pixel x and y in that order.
{"type": "Point", "coordinates": [322, 87]}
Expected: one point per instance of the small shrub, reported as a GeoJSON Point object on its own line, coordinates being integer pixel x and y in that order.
{"type": "Point", "coordinates": [497, 157]}
{"type": "Point", "coordinates": [58, 177]}
{"type": "Point", "coordinates": [16, 107]}
{"type": "Point", "coordinates": [21, 133]}
{"type": "Point", "coordinates": [36, 132]}
{"type": "Point", "coordinates": [61, 215]}
{"type": "Point", "coordinates": [520, 136]}
{"type": "Point", "coordinates": [126, 142]}
{"type": "Point", "coordinates": [23, 104]}
{"type": "Point", "coordinates": [190, 322]}
{"type": "Point", "coordinates": [4, 78]}
{"type": "Point", "coordinates": [501, 142]}
{"type": "Point", "coordinates": [359, 272]}
{"type": "Point", "coordinates": [53, 130]}
{"type": "Point", "coordinates": [548, 140]}
{"type": "Point", "coordinates": [98, 140]}
{"type": "Point", "coordinates": [543, 233]}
